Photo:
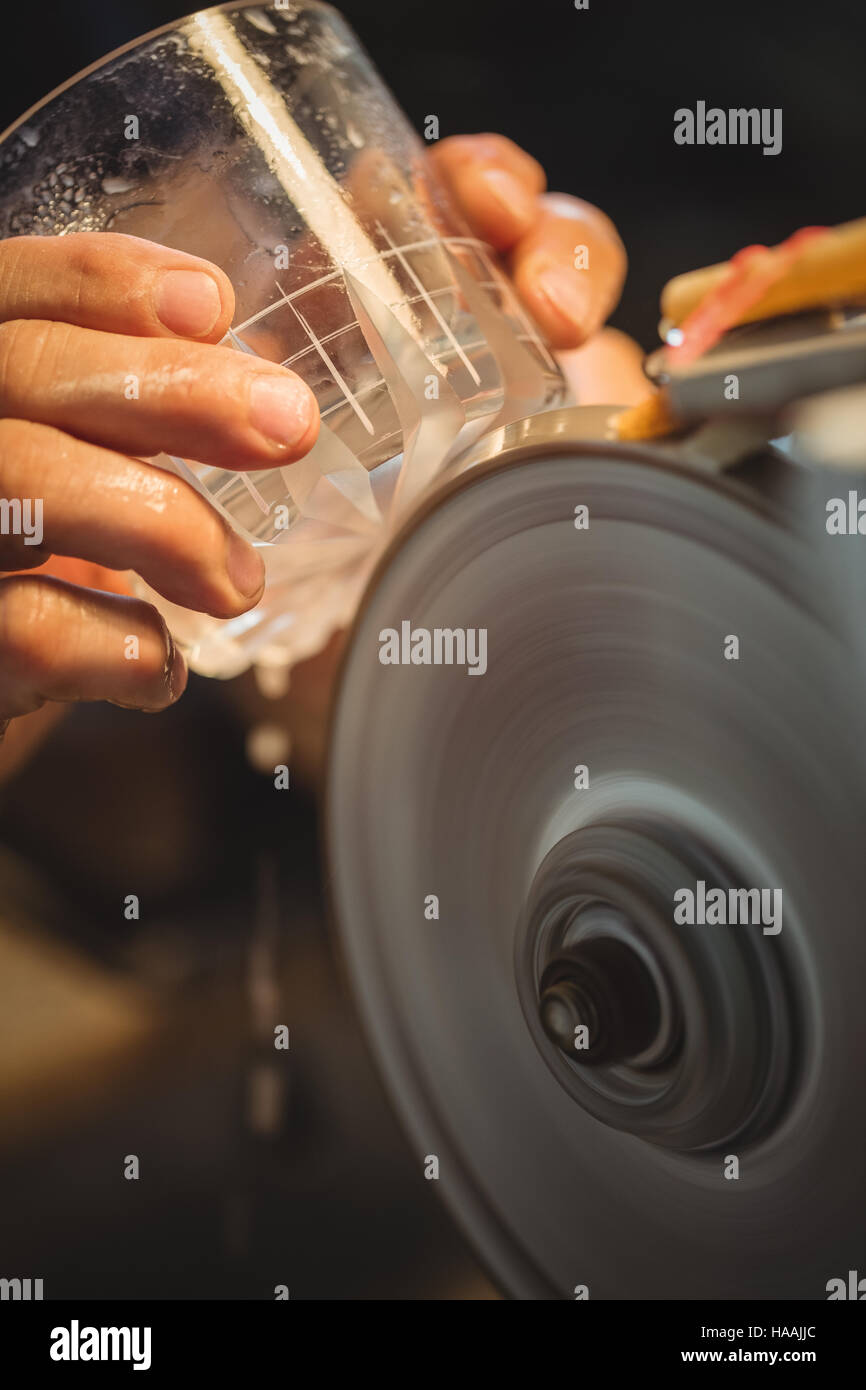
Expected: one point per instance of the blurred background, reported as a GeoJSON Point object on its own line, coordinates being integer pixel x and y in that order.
{"type": "Point", "coordinates": [154, 1036]}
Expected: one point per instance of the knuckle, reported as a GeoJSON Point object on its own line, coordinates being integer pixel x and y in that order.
{"type": "Point", "coordinates": [28, 348]}
{"type": "Point", "coordinates": [11, 334]}
{"type": "Point", "coordinates": [185, 387]}
{"type": "Point", "coordinates": [22, 443]}
{"type": "Point", "coordinates": [96, 262]}
{"type": "Point", "coordinates": [29, 634]}
{"type": "Point", "coordinates": [457, 151]}
{"type": "Point", "coordinates": [16, 256]}
{"type": "Point", "coordinates": [14, 436]}
{"type": "Point", "coordinates": [497, 144]}
{"type": "Point", "coordinates": [203, 385]}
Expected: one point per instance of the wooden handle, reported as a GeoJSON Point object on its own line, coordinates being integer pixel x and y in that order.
{"type": "Point", "coordinates": [830, 269]}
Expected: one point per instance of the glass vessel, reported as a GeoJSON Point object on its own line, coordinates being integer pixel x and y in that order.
{"type": "Point", "coordinates": [261, 138]}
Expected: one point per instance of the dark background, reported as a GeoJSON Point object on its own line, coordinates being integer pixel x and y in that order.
{"type": "Point", "coordinates": [592, 95]}
{"type": "Point", "coordinates": [330, 1199]}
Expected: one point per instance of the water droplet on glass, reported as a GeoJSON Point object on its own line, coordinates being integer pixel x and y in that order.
{"type": "Point", "coordinates": [260, 21]}
{"type": "Point", "coordinates": [117, 185]}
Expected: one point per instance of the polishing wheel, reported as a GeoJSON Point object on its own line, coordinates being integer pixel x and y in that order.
{"type": "Point", "coordinates": [623, 1101]}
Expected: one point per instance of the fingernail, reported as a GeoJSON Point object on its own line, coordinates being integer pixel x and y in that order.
{"type": "Point", "coordinates": [509, 193]}
{"type": "Point", "coordinates": [568, 294]}
{"type": "Point", "coordinates": [188, 302]}
{"type": "Point", "coordinates": [178, 674]}
{"type": "Point", "coordinates": [282, 408]}
{"type": "Point", "coordinates": [174, 677]}
{"type": "Point", "coordinates": [244, 566]}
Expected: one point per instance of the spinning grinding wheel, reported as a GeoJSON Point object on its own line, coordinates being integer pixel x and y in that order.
{"type": "Point", "coordinates": [620, 1102]}
{"type": "Point", "coordinates": [606, 1167]}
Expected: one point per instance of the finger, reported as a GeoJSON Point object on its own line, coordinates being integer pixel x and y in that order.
{"type": "Point", "coordinates": [495, 182]}
{"type": "Point", "coordinates": [607, 370]}
{"type": "Point", "coordinates": [116, 511]}
{"type": "Point", "coordinates": [569, 269]}
{"type": "Point", "coordinates": [58, 642]}
{"type": "Point", "coordinates": [115, 283]}
{"type": "Point", "coordinates": [388, 199]}
{"type": "Point", "coordinates": [85, 573]}
{"type": "Point", "coordinates": [141, 396]}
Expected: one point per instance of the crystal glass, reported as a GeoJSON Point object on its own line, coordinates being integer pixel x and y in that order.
{"type": "Point", "coordinates": [262, 138]}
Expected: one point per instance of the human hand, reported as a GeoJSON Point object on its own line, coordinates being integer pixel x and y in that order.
{"type": "Point", "coordinates": [79, 321]}
{"type": "Point", "coordinates": [107, 351]}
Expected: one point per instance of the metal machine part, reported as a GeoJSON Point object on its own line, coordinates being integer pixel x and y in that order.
{"type": "Point", "coordinates": [505, 853]}
{"type": "Point", "coordinates": [759, 367]}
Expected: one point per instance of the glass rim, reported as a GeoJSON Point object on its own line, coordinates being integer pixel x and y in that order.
{"type": "Point", "coordinates": [172, 27]}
